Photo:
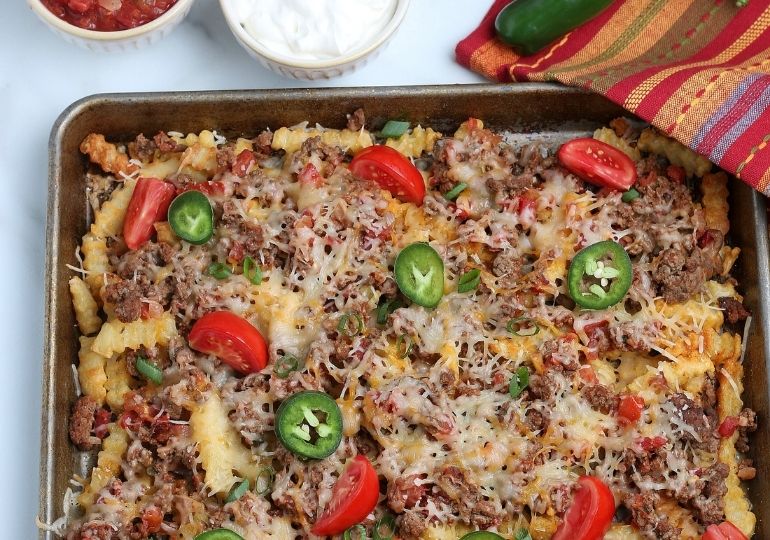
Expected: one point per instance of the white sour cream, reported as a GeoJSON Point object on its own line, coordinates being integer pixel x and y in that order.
{"type": "Point", "coordinates": [314, 29]}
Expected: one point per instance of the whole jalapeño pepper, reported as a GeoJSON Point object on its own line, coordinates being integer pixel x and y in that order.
{"type": "Point", "coordinates": [530, 25]}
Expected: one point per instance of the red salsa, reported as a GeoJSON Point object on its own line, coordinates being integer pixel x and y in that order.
{"type": "Point", "coordinates": [108, 15]}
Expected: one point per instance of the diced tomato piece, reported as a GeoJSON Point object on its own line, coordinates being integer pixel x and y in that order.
{"type": "Point", "coordinates": [728, 426]}
{"type": "Point", "coordinates": [675, 173]}
{"type": "Point", "coordinates": [630, 409]}
{"type": "Point", "coordinates": [152, 519]}
{"type": "Point", "coordinates": [310, 176]}
{"type": "Point", "coordinates": [245, 160]}
{"type": "Point", "coordinates": [209, 188]}
{"type": "Point", "coordinates": [723, 531]}
{"type": "Point", "coordinates": [102, 418]}
{"type": "Point", "coordinates": [652, 443]}
{"type": "Point", "coordinates": [588, 374]}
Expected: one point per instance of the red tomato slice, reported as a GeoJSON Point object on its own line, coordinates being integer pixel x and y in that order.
{"type": "Point", "coordinates": [230, 338]}
{"type": "Point", "coordinates": [723, 531]}
{"type": "Point", "coordinates": [630, 409]}
{"type": "Point", "coordinates": [590, 514]}
{"type": "Point", "coordinates": [149, 203]}
{"type": "Point", "coordinates": [390, 170]}
{"type": "Point", "coordinates": [598, 163]}
{"type": "Point", "coordinates": [353, 498]}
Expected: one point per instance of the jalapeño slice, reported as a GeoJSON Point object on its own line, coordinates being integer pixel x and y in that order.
{"type": "Point", "coordinates": [600, 275]}
{"type": "Point", "coordinates": [309, 424]}
{"type": "Point", "coordinates": [420, 274]}
{"type": "Point", "coordinates": [219, 534]}
{"type": "Point", "coordinates": [482, 535]}
{"type": "Point", "coordinates": [191, 217]}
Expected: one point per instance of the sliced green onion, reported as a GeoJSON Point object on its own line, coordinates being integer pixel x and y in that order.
{"type": "Point", "coordinates": [356, 532]}
{"type": "Point", "coordinates": [469, 281]}
{"type": "Point", "coordinates": [252, 271]}
{"type": "Point", "coordinates": [453, 193]}
{"type": "Point", "coordinates": [522, 534]}
{"type": "Point", "coordinates": [149, 371]}
{"type": "Point", "coordinates": [386, 308]}
{"type": "Point", "coordinates": [344, 328]}
{"type": "Point", "coordinates": [404, 345]}
{"type": "Point", "coordinates": [263, 484]}
{"type": "Point", "coordinates": [519, 381]}
{"type": "Point", "coordinates": [630, 195]}
{"type": "Point", "coordinates": [285, 365]}
{"type": "Point", "coordinates": [394, 129]}
{"type": "Point", "coordinates": [515, 326]}
{"type": "Point", "coordinates": [219, 271]}
{"type": "Point", "coordinates": [385, 528]}
{"type": "Point", "coordinates": [237, 491]}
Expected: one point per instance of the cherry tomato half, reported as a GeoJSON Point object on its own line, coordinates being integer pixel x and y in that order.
{"type": "Point", "coordinates": [723, 531]}
{"type": "Point", "coordinates": [230, 338]}
{"type": "Point", "coordinates": [598, 163]}
{"type": "Point", "coordinates": [630, 409]}
{"type": "Point", "coordinates": [354, 496]}
{"type": "Point", "coordinates": [390, 170]}
{"type": "Point", "coordinates": [590, 514]}
{"type": "Point", "coordinates": [149, 203]}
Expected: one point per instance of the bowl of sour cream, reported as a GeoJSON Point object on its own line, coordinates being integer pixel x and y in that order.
{"type": "Point", "coordinates": [313, 39]}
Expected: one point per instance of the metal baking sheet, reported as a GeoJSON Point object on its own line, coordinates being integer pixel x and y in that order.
{"type": "Point", "coordinates": [535, 111]}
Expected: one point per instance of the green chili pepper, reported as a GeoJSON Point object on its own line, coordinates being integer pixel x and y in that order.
{"type": "Point", "coordinates": [519, 324]}
{"type": "Point", "coordinates": [394, 129]}
{"type": "Point", "coordinates": [266, 477]}
{"type": "Point", "coordinates": [600, 275]}
{"type": "Point", "coordinates": [285, 365]}
{"type": "Point", "coordinates": [149, 371]}
{"type": "Point", "coordinates": [629, 195]}
{"type": "Point", "coordinates": [309, 424]}
{"type": "Point", "coordinates": [219, 271]}
{"type": "Point", "coordinates": [343, 327]}
{"type": "Point", "coordinates": [385, 528]}
{"type": "Point", "coordinates": [191, 217]}
{"type": "Point", "coordinates": [519, 381]}
{"type": "Point", "coordinates": [252, 271]}
{"type": "Point", "coordinates": [219, 534]}
{"type": "Point", "coordinates": [482, 535]}
{"type": "Point", "coordinates": [529, 25]}
{"type": "Point", "coordinates": [419, 274]}
{"type": "Point", "coordinates": [386, 308]}
{"type": "Point", "coordinates": [356, 532]}
{"type": "Point", "coordinates": [469, 281]}
{"type": "Point", "coordinates": [403, 345]}
{"type": "Point", "coordinates": [522, 534]}
{"type": "Point", "coordinates": [453, 193]}
{"type": "Point", "coordinates": [237, 491]}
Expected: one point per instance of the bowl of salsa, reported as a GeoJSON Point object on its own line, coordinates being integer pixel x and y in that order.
{"type": "Point", "coordinates": [111, 25]}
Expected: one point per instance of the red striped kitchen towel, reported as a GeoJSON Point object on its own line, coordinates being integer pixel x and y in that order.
{"type": "Point", "coordinates": [698, 70]}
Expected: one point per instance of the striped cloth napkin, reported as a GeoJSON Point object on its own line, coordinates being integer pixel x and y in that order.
{"type": "Point", "coordinates": [698, 70]}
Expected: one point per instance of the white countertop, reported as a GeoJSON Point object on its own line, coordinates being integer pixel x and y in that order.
{"type": "Point", "coordinates": [40, 75]}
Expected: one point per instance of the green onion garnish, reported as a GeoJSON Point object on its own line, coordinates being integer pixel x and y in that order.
{"type": "Point", "coordinates": [343, 327]}
{"type": "Point", "coordinates": [252, 271]}
{"type": "Point", "coordinates": [386, 308]}
{"type": "Point", "coordinates": [394, 129]}
{"type": "Point", "coordinates": [629, 195]}
{"type": "Point", "coordinates": [385, 528]}
{"type": "Point", "coordinates": [219, 271]}
{"type": "Point", "coordinates": [469, 281]}
{"type": "Point", "coordinates": [356, 532]}
{"type": "Point", "coordinates": [519, 381]}
{"type": "Point", "coordinates": [285, 365]}
{"type": "Point", "coordinates": [263, 484]}
{"type": "Point", "coordinates": [237, 491]}
{"type": "Point", "coordinates": [522, 534]}
{"type": "Point", "coordinates": [453, 193]}
{"type": "Point", "coordinates": [149, 371]}
{"type": "Point", "coordinates": [403, 345]}
{"type": "Point", "coordinates": [515, 327]}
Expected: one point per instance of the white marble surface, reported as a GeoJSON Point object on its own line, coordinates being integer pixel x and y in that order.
{"type": "Point", "coordinates": [40, 75]}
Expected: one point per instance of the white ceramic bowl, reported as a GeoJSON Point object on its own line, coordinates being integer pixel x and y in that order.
{"type": "Point", "coordinates": [120, 40]}
{"type": "Point", "coordinates": [310, 70]}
